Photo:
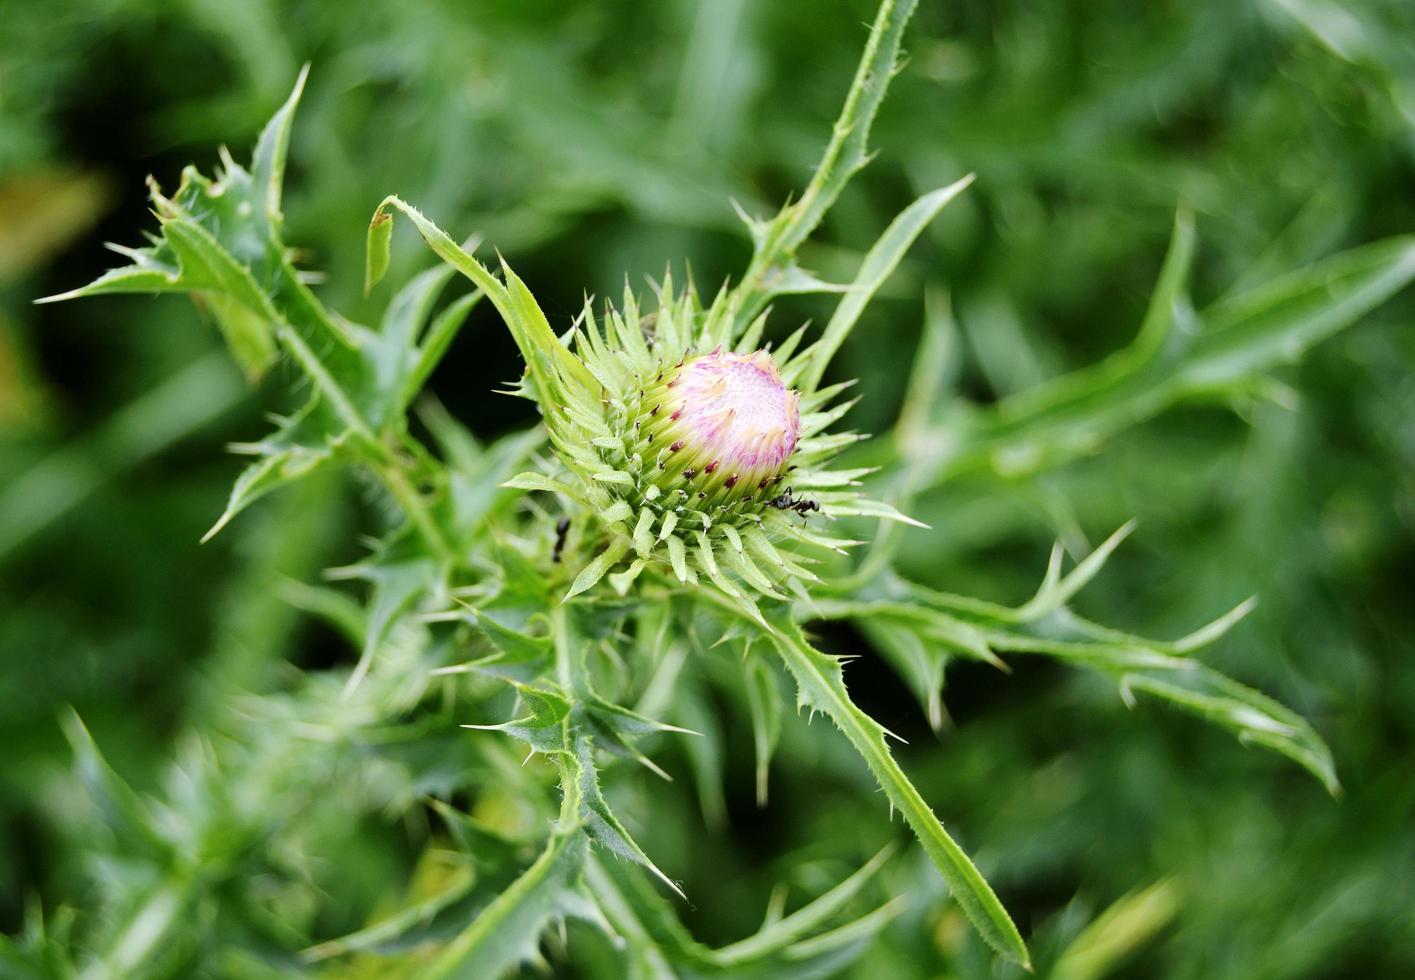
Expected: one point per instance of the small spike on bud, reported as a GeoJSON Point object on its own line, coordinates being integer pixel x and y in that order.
{"type": "Point", "coordinates": [731, 421]}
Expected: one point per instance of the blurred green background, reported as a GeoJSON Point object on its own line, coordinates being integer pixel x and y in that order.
{"type": "Point", "coordinates": [594, 140]}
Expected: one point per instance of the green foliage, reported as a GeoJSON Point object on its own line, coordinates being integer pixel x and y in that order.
{"type": "Point", "coordinates": [534, 652]}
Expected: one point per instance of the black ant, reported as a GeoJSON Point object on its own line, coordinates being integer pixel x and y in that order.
{"type": "Point", "coordinates": [789, 501]}
{"type": "Point", "coordinates": [562, 528]}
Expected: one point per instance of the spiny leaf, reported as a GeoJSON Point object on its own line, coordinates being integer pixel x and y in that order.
{"type": "Point", "coordinates": [556, 373]}
{"type": "Point", "coordinates": [601, 823]}
{"type": "Point", "coordinates": [1253, 717]}
{"type": "Point", "coordinates": [822, 686]}
{"type": "Point", "coordinates": [513, 644]}
{"type": "Point", "coordinates": [847, 152]}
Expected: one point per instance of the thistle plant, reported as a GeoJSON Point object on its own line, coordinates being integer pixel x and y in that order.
{"type": "Point", "coordinates": [688, 506]}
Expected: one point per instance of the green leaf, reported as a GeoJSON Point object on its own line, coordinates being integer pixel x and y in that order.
{"type": "Point", "coordinates": [438, 339]}
{"type": "Point", "coordinates": [205, 264]}
{"type": "Point", "coordinates": [272, 149]}
{"type": "Point", "coordinates": [934, 364]}
{"type": "Point", "coordinates": [1255, 718]}
{"type": "Point", "coordinates": [764, 706]}
{"type": "Point", "coordinates": [807, 944]}
{"type": "Point", "coordinates": [401, 573]}
{"type": "Point", "coordinates": [920, 664]}
{"type": "Point", "coordinates": [488, 847]}
{"type": "Point", "coordinates": [379, 248]}
{"type": "Point", "coordinates": [146, 278]}
{"type": "Point", "coordinates": [597, 568]}
{"type": "Point", "coordinates": [223, 236]}
{"type": "Point", "coordinates": [556, 373]}
{"type": "Point", "coordinates": [690, 707]}
{"type": "Point", "coordinates": [880, 262]}
{"type": "Point", "coordinates": [392, 355]}
{"type": "Point", "coordinates": [513, 644]}
{"type": "Point", "coordinates": [806, 920]}
{"type": "Point", "coordinates": [409, 918]}
{"type": "Point", "coordinates": [130, 818]}
{"type": "Point", "coordinates": [1127, 925]}
{"type": "Point", "coordinates": [247, 334]}
{"type": "Point", "coordinates": [821, 685]}
{"type": "Point", "coordinates": [1277, 322]}
{"type": "Point", "coordinates": [546, 728]}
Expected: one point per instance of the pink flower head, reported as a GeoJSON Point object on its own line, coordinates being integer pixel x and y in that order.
{"type": "Point", "coordinates": [735, 417]}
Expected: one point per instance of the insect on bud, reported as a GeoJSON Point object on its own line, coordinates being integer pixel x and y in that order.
{"type": "Point", "coordinates": [721, 427]}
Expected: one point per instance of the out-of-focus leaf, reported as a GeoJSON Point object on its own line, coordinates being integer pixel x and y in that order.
{"type": "Point", "coordinates": [1118, 931]}
{"type": "Point", "coordinates": [401, 573]}
{"type": "Point", "coordinates": [508, 931]}
{"type": "Point", "coordinates": [191, 398]}
{"type": "Point", "coordinates": [1255, 718]}
{"type": "Point", "coordinates": [43, 210]}
{"type": "Point", "coordinates": [805, 920]}
{"type": "Point", "coordinates": [410, 917]}
{"type": "Point", "coordinates": [1235, 340]}
{"type": "Point", "coordinates": [764, 704]}
{"type": "Point", "coordinates": [130, 818]}
{"type": "Point", "coordinates": [807, 943]}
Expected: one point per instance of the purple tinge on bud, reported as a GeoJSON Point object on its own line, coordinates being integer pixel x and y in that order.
{"type": "Point", "coordinates": [732, 419]}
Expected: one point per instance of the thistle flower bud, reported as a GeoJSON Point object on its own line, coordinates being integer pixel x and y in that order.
{"type": "Point", "coordinates": [720, 427]}
{"type": "Point", "coordinates": [680, 458]}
